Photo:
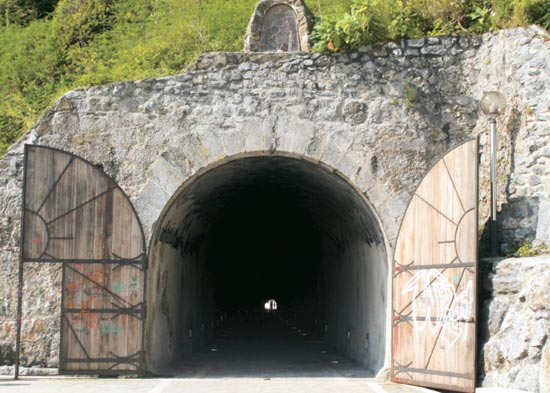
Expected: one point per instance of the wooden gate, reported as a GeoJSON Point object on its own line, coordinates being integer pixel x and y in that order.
{"type": "Point", "coordinates": [435, 277]}
{"type": "Point", "coordinates": [74, 214]}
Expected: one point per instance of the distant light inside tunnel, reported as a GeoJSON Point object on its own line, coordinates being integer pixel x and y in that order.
{"type": "Point", "coordinates": [270, 305]}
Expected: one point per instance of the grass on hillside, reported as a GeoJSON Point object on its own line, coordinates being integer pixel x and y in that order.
{"type": "Point", "coordinates": [50, 47]}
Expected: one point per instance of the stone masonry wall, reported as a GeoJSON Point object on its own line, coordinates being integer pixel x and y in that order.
{"type": "Point", "coordinates": [381, 117]}
{"type": "Point", "coordinates": [517, 354]}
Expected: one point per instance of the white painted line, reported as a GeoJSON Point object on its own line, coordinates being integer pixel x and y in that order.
{"type": "Point", "coordinates": [421, 389]}
{"type": "Point", "coordinates": [376, 387]}
{"type": "Point", "coordinates": [498, 390]}
{"type": "Point", "coordinates": [159, 387]}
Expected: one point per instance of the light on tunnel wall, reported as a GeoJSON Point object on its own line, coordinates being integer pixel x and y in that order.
{"type": "Point", "coordinates": [270, 305]}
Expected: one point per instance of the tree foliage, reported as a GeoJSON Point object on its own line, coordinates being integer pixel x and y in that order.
{"type": "Point", "coordinates": [21, 12]}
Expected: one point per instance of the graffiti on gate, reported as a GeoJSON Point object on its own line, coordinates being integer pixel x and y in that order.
{"type": "Point", "coordinates": [112, 329]}
{"type": "Point", "coordinates": [84, 297]}
{"type": "Point", "coordinates": [438, 304]}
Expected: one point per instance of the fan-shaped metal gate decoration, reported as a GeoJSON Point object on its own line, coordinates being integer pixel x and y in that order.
{"type": "Point", "coordinates": [434, 282]}
{"type": "Point", "coordinates": [74, 214]}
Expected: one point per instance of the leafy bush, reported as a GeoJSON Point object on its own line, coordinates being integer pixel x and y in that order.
{"type": "Point", "coordinates": [370, 21]}
{"type": "Point", "coordinates": [539, 13]}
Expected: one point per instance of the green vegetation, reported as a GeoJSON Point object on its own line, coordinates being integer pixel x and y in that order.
{"type": "Point", "coordinates": [527, 249]}
{"type": "Point", "coordinates": [48, 47]}
{"type": "Point", "coordinates": [371, 21]}
{"type": "Point", "coordinates": [410, 93]}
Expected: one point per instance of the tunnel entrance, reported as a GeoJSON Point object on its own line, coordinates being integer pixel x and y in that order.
{"type": "Point", "coordinates": [261, 227]}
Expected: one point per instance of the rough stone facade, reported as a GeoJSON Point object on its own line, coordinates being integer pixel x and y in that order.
{"type": "Point", "coordinates": [517, 354]}
{"type": "Point", "coordinates": [380, 117]}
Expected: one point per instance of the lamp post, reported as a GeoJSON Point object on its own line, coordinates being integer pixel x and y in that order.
{"type": "Point", "coordinates": [493, 104]}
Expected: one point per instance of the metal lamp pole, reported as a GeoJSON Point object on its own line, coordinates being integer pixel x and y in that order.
{"type": "Point", "coordinates": [492, 104]}
{"type": "Point", "coordinates": [493, 225]}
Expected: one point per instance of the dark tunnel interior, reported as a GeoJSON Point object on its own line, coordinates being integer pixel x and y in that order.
{"type": "Point", "coordinates": [272, 231]}
{"type": "Point", "coordinates": [260, 228]}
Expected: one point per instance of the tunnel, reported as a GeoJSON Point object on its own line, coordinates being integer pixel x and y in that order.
{"type": "Point", "coordinates": [265, 227]}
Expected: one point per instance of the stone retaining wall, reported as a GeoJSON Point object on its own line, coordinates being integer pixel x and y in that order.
{"type": "Point", "coordinates": [517, 353]}
{"type": "Point", "coordinates": [381, 117]}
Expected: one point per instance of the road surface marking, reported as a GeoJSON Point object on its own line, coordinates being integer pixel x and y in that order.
{"type": "Point", "coordinates": [159, 387]}
{"type": "Point", "coordinates": [421, 389]}
{"type": "Point", "coordinates": [376, 387]}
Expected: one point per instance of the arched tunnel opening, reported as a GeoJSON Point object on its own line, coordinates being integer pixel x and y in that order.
{"type": "Point", "coordinates": [259, 228]}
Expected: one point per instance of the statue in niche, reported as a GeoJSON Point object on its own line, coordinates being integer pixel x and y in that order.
{"type": "Point", "coordinates": [278, 26]}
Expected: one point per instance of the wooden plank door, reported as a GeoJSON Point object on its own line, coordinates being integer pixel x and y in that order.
{"type": "Point", "coordinates": [435, 277]}
{"type": "Point", "coordinates": [74, 214]}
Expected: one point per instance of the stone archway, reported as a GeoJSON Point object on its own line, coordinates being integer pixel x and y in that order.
{"type": "Point", "coordinates": [256, 226]}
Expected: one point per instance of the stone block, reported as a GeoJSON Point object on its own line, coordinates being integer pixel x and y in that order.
{"type": "Point", "coordinates": [434, 50]}
{"type": "Point", "coordinates": [412, 52]}
{"type": "Point", "coordinates": [416, 43]}
{"type": "Point", "coordinates": [296, 135]}
{"type": "Point", "coordinates": [545, 369]}
{"type": "Point", "coordinates": [150, 202]}
{"type": "Point", "coordinates": [166, 173]}
{"type": "Point", "coordinates": [527, 378]}
{"type": "Point", "coordinates": [356, 112]}
{"type": "Point", "coordinates": [543, 222]}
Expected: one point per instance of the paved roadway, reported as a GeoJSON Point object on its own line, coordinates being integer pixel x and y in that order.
{"type": "Point", "coordinates": [203, 385]}
{"type": "Point", "coordinates": [257, 356]}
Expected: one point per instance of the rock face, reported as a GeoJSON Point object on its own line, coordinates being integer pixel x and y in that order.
{"type": "Point", "coordinates": [380, 118]}
{"type": "Point", "coordinates": [517, 354]}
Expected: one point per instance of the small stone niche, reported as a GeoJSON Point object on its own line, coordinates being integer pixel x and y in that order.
{"type": "Point", "coordinates": [278, 26]}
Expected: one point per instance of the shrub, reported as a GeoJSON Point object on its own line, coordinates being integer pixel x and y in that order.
{"type": "Point", "coordinates": [370, 21]}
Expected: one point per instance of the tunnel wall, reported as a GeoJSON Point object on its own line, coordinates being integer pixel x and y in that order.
{"type": "Point", "coordinates": [352, 275]}
{"type": "Point", "coordinates": [180, 316]}
{"type": "Point", "coordinates": [380, 117]}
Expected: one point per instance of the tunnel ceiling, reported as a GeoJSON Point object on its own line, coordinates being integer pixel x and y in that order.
{"type": "Point", "coordinates": [337, 210]}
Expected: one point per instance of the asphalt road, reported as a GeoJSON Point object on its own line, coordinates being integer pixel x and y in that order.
{"type": "Point", "coordinates": [274, 357]}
